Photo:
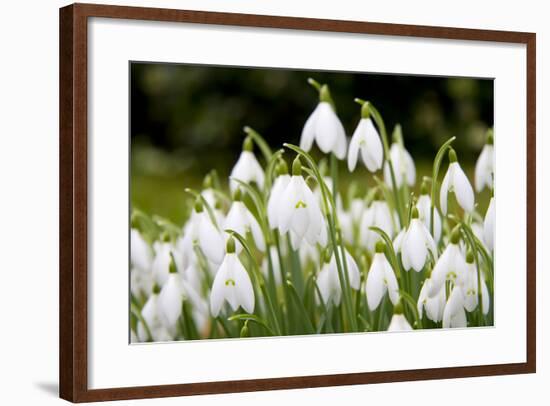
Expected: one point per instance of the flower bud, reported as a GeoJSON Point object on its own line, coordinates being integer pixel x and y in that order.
{"type": "Point", "coordinates": [380, 246]}
{"type": "Point", "coordinates": [414, 213]}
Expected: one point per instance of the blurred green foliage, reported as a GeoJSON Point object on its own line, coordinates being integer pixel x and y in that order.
{"type": "Point", "coordinates": [186, 120]}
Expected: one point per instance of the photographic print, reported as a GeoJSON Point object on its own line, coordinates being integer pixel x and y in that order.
{"type": "Point", "coordinates": [279, 202]}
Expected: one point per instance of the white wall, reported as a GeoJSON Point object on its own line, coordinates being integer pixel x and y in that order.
{"type": "Point", "coordinates": [29, 190]}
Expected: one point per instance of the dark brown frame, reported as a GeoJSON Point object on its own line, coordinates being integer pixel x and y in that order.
{"type": "Point", "coordinates": [73, 362]}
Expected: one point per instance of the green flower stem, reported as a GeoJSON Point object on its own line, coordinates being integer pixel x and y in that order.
{"type": "Point", "coordinates": [437, 164]}
{"type": "Point", "coordinates": [302, 312]}
{"type": "Point", "coordinates": [384, 135]}
{"type": "Point", "coordinates": [328, 203]}
{"type": "Point", "coordinates": [260, 142]}
{"type": "Point", "coordinates": [334, 175]}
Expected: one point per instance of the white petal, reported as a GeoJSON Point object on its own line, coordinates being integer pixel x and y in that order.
{"type": "Point", "coordinates": [170, 299]}
{"type": "Point", "coordinates": [211, 240]}
{"type": "Point", "coordinates": [391, 282]}
{"type": "Point", "coordinates": [489, 225]}
{"type": "Point", "coordinates": [256, 231]}
{"type": "Point", "coordinates": [281, 182]}
{"type": "Point", "coordinates": [353, 151]}
{"type": "Point", "coordinates": [243, 287]}
{"type": "Point", "coordinates": [375, 286]}
{"type": "Point", "coordinates": [444, 191]}
{"type": "Point", "coordinates": [341, 142]}
{"type": "Point", "coordinates": [463, 189]}
{"type": "Point", "coordinates": [288, 204]}
{"type": "Point", "coordinates": [308, 132]}
{"type": "Point", "coordinates": [373, 153]}
{"type": "Point", "coordinates": [399, 323]}
{"type": "Point", "coordinates": [326, 127]}
{"type": "Point", "coordinates": [414, 245]}
{"type": "Point", "coordinates": [217, 296]}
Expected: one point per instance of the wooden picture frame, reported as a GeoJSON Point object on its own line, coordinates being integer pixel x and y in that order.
{"type": "Point", "coordinates": [73, 207]}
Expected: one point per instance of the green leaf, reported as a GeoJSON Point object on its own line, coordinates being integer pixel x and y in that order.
{"type": "Point", "coordinates": [254, 318]}
{"type": "Point", "coordinates": [262, 144]}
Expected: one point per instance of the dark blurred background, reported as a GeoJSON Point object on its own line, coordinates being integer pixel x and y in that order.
{"type": "Point", "coordinates": [186, 120]}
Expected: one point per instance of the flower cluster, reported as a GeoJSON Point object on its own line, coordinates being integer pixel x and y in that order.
{"type": "Point", "coordinates": [279, 249]}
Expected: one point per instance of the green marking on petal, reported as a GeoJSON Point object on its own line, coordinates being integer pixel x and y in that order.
{"type": "Point", "coordinates": [229, 282]}
{"type": "Point", "coordinates": [301, 204]}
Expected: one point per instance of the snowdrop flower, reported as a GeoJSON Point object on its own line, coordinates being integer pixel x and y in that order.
{"type": "Point", "coordinates": [403, 165]}
{"type": "Point", "coordinates": [378, 215]}
{"type": "Point", "coordinates": [141, 282]}
{"type": "Point", "coordinates": [455, 180]}
{"type": "Point", "coordinates": [324, 127]}
{"type": "Point", "coordinates": [485, 166]}
{"type": "Point", "coordinates": [454, 315]}
{"type": "Point", "coordinates": [279, 186]}
{"type": "Point", "coordinates": [398, 321]}
{"type": "Point", "coordinates": [240, 219]}
{"type": "Point", "coordinates": [141, 259]}
{"type": "Point", "coordinates": [200, 229]}
{"type": "Point", "coordinates": [365, 140]}
{"type": "Point", "coordinates": [171, 297]}
{"type": "Point", "coordinates": [151, 314]}
{"type": "Point", "coordinates": [416, 243]}
{"type": "Point", "coordinates": [329, 282]}
{"type": "Point", "coordinates": [381, 279]}
{"type": "Point", "coordinates": [470, 287]}
{"type": "Point", "coordinates": [449, 267]}
{"type": "Point", "coordinates": [299, 212]}
{"type": "Point", "coordinates": [424, 206]}
{"type": "Point", "coordinates": [231, 284]}
{"type": "Point", "coordinates": [489, 225]}
{"type": "Point", "coordinates": [161, 262]}
{"type": "Point", "coordinates": [247, 169]}
{"type": "Point", "coordinates": [432, 305]}
{"type": "Point", "coordinates": [141, 256]}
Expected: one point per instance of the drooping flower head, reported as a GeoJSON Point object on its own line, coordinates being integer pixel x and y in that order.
{"type": "Point", "coordinates": [241, 220]}
{"type": "Point", "coordinates": [455, 180]}
{"type": "Point", "coordinates": [417, 242]}
{"type": "Point", "coordinates": [432, 305]}
{"type": "Point", "coordinates": [365, 140]}
{"type": "Point", "coordinates": [485, 165]}
{"type": "Point", "coordinates": [276, 194]}
{"type": "Point", "coordinates": [247, 169]}
{"type": "Point", "coordinates": [377, 215]}
{"type": "Point", "coordinates": [329, 280]}
{"type": "Point", "coordinates": [231, 284]}
{"type": "Point", "coordinates": [201, 229]}
{"type": "Point", "coordinates": [381, 279]}
{"type": "Point", "coordinates": [324, 127]}
{"type": "Point", "coordinates": [402, 162]}
{"type": "Point", "coordinates": [299, 213]}
{"type": "Point", "coordinates": [489, 225]}
{"type": "Point", "coordinates": [450, 266]}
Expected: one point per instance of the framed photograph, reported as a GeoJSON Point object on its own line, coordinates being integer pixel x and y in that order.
{"type": "Point", "coordinates": [255, 202]}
